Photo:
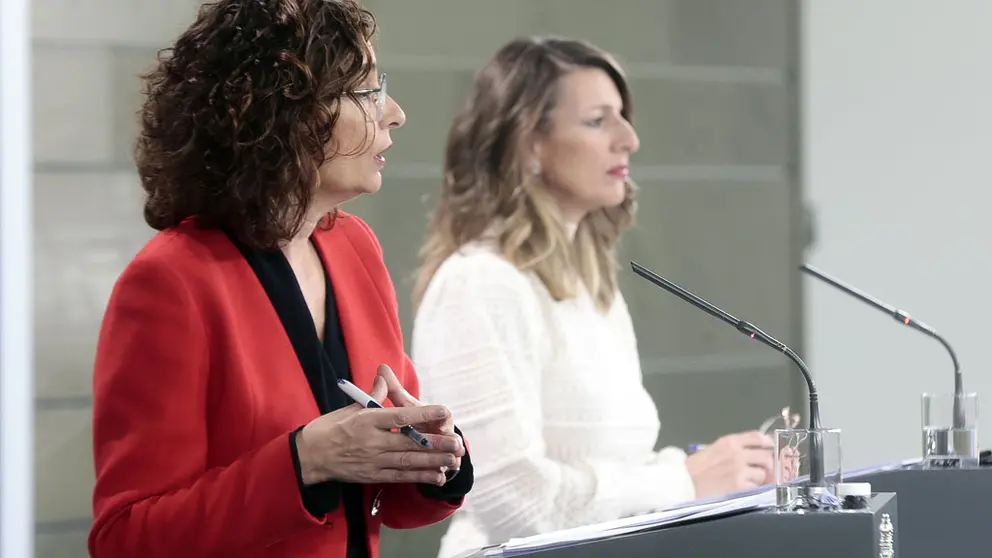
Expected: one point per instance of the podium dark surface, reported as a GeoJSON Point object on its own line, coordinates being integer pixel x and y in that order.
{"type": "Point", "coordinates": [942, 513]}
{"type": "Point", "coordinates": [765, 534]}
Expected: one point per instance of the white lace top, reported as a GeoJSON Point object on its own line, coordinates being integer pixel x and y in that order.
{"type": "Point", "coordinates": [550, 399]}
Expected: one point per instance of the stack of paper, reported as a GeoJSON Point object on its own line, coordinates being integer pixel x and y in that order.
{"type": "Point", "coordinates": [751, 500]}
{"type": "Point", "coordinates": [860, 472]}
{"type": "Point", "coordinates": [759, 498]}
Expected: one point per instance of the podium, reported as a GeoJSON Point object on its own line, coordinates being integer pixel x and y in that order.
{"type": "Point", "coordinates": [942, 512]}
{"type": "Point", "coordinates": [868, 533]}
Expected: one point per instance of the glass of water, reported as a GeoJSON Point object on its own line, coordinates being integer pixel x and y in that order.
{"type": "Point", "coordinates": [950, 443]}
{"type": "Point", "coordinates": [793, 489]}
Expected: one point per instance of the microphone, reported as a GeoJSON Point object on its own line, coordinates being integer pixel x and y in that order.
{"type": "Point", "coordinates": [816, 466]}
{"type": "Point", "coordinates": [904, 318]}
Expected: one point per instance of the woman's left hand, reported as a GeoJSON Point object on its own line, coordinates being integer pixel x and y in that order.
{"type": "Point", "coordinates": [402, 398]}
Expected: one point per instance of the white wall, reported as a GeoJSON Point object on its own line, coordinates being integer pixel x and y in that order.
{"type": "Point", "coordinates": [898, 161]}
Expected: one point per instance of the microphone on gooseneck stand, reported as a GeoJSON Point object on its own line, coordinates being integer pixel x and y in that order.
{"type": "Point", "coordinates": [816, 465]}
{"type": "Point", "coordinates": [903, 317]}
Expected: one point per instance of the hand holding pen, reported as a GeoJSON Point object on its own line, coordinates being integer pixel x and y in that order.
{"type": "Point", "coordinates": [366, 401]}
{"type": "Point", "coordinates": [445, 426]}
{"type": "Point", "coordinates": [742, 461]}
{"type": "Point", "coordinates": [359, 445]}
{"type": "Point", "coordinates": [732, 463]}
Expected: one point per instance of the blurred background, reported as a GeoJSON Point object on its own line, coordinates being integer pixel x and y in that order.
{"type": "Point", "coordinates": [853, 135]}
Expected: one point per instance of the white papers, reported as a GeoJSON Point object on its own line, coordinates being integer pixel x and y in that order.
{"type": "Point", "coordinates": [905, 463]}
{"type": "Point", "coordinates": [688, 512]}
{"type": "Point", "coordinates": [759, 498]}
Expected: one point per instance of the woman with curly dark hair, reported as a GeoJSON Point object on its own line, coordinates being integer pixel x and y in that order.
{"type": "Point", "coordinates": [219, 428]}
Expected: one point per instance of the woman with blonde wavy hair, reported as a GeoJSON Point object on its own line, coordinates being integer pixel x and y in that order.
{"type": "Point", "coordinates": [520, 327]}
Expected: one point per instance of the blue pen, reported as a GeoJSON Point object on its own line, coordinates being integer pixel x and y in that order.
{"type": "Point", "coordinates": [365, 400]}
{"type": "Point", "coordinates": [693, 448]}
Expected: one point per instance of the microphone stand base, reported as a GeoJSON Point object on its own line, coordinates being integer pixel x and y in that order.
{"type": "Point", "coordinates": [798, 498]}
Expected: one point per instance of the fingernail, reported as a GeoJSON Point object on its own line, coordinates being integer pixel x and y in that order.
{"type": "Point", "coordinates": [450, 446]}
{"type": "Point", "coordinates": [441, 413]}
{"type": "Point", "coordinates": [449, 460]}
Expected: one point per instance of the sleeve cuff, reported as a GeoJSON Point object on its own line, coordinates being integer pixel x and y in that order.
{"type": "Point", "coordinates": [318, 499]}
{"type": "Point", "coordinates": [455, 489]}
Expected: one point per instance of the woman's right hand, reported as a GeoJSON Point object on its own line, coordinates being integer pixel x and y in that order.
{"type": "Point", "coordinates": [357, 445]}
{"type": "Point", "coordinates": [734, 462]}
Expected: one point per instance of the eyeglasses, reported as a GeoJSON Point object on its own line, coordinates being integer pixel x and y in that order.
{"type": "Point", "coordinates": [380, 96]}
{"type": "Point", "coordinates": [787, 418]}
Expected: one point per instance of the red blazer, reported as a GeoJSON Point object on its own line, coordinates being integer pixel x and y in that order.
{"type": "Point", "coordinates": [197, 388]}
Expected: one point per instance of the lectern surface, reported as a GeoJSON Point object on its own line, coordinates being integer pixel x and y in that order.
{"type": "Point", "coordinates": [942, 513]}
{"type": "Point", "coordinates": [868, 534]}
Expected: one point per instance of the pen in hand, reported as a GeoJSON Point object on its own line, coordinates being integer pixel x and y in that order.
{"type": "Point", "coordinates": [366, 400]}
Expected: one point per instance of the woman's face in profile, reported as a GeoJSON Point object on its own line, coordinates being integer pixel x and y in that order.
{"type": "Point", "coordinates": [360, 138]}
{"type": "Point", "coordinates": [584, 156]}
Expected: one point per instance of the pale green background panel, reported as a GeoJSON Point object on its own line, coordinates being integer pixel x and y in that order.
{"type": "Point", "coordinates": [714, 83]}
{"type": "Point", "coordinates": [715, 106]}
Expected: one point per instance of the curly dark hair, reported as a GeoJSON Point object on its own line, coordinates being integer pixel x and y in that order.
{"type": "Point", "coordinates": [239, 110]}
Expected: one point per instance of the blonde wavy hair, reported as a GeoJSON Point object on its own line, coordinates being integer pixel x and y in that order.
{"type": "Point", "coordinates": [488, 187]}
